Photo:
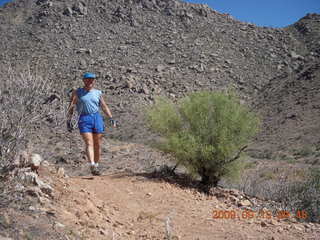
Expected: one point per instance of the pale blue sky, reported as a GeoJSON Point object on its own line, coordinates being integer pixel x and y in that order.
{"type": "Point", "coordinates": [3, 2]}
{"type": "Point", "coordinates": [270, 13]}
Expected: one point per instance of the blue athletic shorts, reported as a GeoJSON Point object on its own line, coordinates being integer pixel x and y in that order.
{"type": "Point", "coordinates": [91, 123]}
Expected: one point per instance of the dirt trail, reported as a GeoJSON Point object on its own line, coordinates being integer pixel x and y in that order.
{"type": "Point", "coordinates": [123, 206]}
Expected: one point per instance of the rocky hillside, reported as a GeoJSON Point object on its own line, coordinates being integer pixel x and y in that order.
{"type": "Point", "coordinates": [143, 48]}
{"type": "Point", "coordinates": [290, 102]}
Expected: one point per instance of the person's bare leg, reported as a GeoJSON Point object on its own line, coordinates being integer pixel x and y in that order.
{"type": "Point", "coordinates": [88, 139]}
{"type": "Point", "coordinates": [97, 139]}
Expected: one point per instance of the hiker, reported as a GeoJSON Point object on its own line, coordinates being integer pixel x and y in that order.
{"type": "Point", "coordinates": [88, 101]}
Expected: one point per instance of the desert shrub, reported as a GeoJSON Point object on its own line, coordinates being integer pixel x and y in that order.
{"type": "Point", "coordinates": [302, 195]}
{"type": "Point", "coordinates": [205, 131]}
{"type": "Point", "coordinates": [267, 175]}
{"type": "Point", "coordinates": [294, 190]}
{"type": "Point", "coordinates": [310, 196]}
{"type": "Point", "coordinates": [305, 151]}
{"type": "Point", "coordinates": [22, 96]}
{"type": "Point", "coordinates": [290, 194]}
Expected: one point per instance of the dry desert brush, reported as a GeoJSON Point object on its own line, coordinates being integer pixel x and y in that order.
{"type": "Point", "coordinates": [301, 195]}
{"type": "Point", "coordinates": [206, 132]}
{"type": "Point", "coordinates": [22, 95]}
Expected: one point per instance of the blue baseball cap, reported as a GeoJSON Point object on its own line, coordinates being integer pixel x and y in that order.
{"type": "Point", "coordinates": [89, 75]}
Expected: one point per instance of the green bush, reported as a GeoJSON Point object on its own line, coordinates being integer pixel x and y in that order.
{"type": "Point", "coordinates": [205, 131]}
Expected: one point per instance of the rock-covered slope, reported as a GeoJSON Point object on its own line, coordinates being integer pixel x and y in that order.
{"type": "Point", "coordinates": [142, 48]}
{"type": "Point", "coordinates": [290, 102]}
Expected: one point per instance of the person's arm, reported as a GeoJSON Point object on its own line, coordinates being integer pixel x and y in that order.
{"type": "Point", "coordinates": [105, 108]}
{"type": "Point", "coordinates": [72, 105]}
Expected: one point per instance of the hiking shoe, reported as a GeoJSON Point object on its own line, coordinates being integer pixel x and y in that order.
{"type": "Point", "coordinates": [92, 168]}
{"type": "Point", "coordinates": [95, 171]}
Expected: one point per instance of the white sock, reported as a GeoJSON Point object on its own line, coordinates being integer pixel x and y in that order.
{"type": "Point", "coordinates": [92, 164]}
{"type": "Point", "coordinates": [97, 164]}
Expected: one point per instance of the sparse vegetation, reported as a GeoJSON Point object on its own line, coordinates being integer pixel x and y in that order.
{"type": "Point", "coordinates": [294, 189]}
{"type": "Point", "coordinates": [260, 154]}
{"type": "Point", "coordinates": [268, 175]}
{"type": "Point", "coordinates": [250, 164]}
{"type": "Point", "coordinates": [305, 151]}
{"type": "Point", "coordinates": [205, 131]}
{"type": "Point", "coordinates": [302, 195]}
{"type": "Point", "coordinates": [22, 97]}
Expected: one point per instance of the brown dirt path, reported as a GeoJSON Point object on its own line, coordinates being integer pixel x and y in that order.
{"type": "Point", "coordinates": [135, 207]}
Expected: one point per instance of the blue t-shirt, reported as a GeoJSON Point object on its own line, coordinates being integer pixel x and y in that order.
{"type": "Point", "coordinates": [88, 101]}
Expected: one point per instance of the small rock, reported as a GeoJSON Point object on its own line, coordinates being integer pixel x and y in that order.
{"type": "Point", "coordinates": [296, 56]}
{"type": "Point", "coordinates": [300, 229]}
{"type": "Point", "coordinates": [233, 199]}
{"type": "Point", "coordinates": [280, 67]}
{"type": "Point", "coordinates": [80, 8]}
{"type": "Point", "coordinates": [171, 95]}
{"type": "Point", "coordinates": [160, 68]}
{"type": "Point", "coordinates": [35, 161]}
{"type": "Point", "coordinates": [145, 89]}
{"type": "Point", "coordinates": [263, 224]}
{"type": "Point", "coordinates": [68, 12]}
{"type": "Point", "coordinates": [39, 2]}
{"type": "Point", "coordinates": [280, 230]}
{"type": "Point", "coordinates": [34, 191]}
{"type": "Point", "coordinates": [293, 220]}
{"type": "Point", "coordinates": [103, 232]}
{"type": "Point", "coordinates": [52, 98]}
{"type": "Point", "coordinates": [244, 203]}
{"type": "Point", "coordinates": [234, 192]}
{"type": "Point", "coordinates": [287, 228]}
{"type": "Point", "coordinates": [131, 232]}
{"type": "Point", "coordinates": [129, 84]}
{"type": "Point", "coordinates": [84, 50]}
{"type": "Point", "coordinates": [32, 208]}
{"type": "Point", "coordinates": [61, 159]}
{"type": "Point", "coordinates": [171, 61]}
{"type": "Point", "coordinates": [291, 115]}
{"type": "Point", "coordinates": [59, 225]}
{"type": "Point", "coordinates": [19, 187]}
{"type": "Point", "coordinates": [50, 212]}
{"type": "Point", "coordinates": [273, 222]}
{"type": "Point", "coordinates": [306, 225]}
{"type": "Point", "coordinates": [45, 163]}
